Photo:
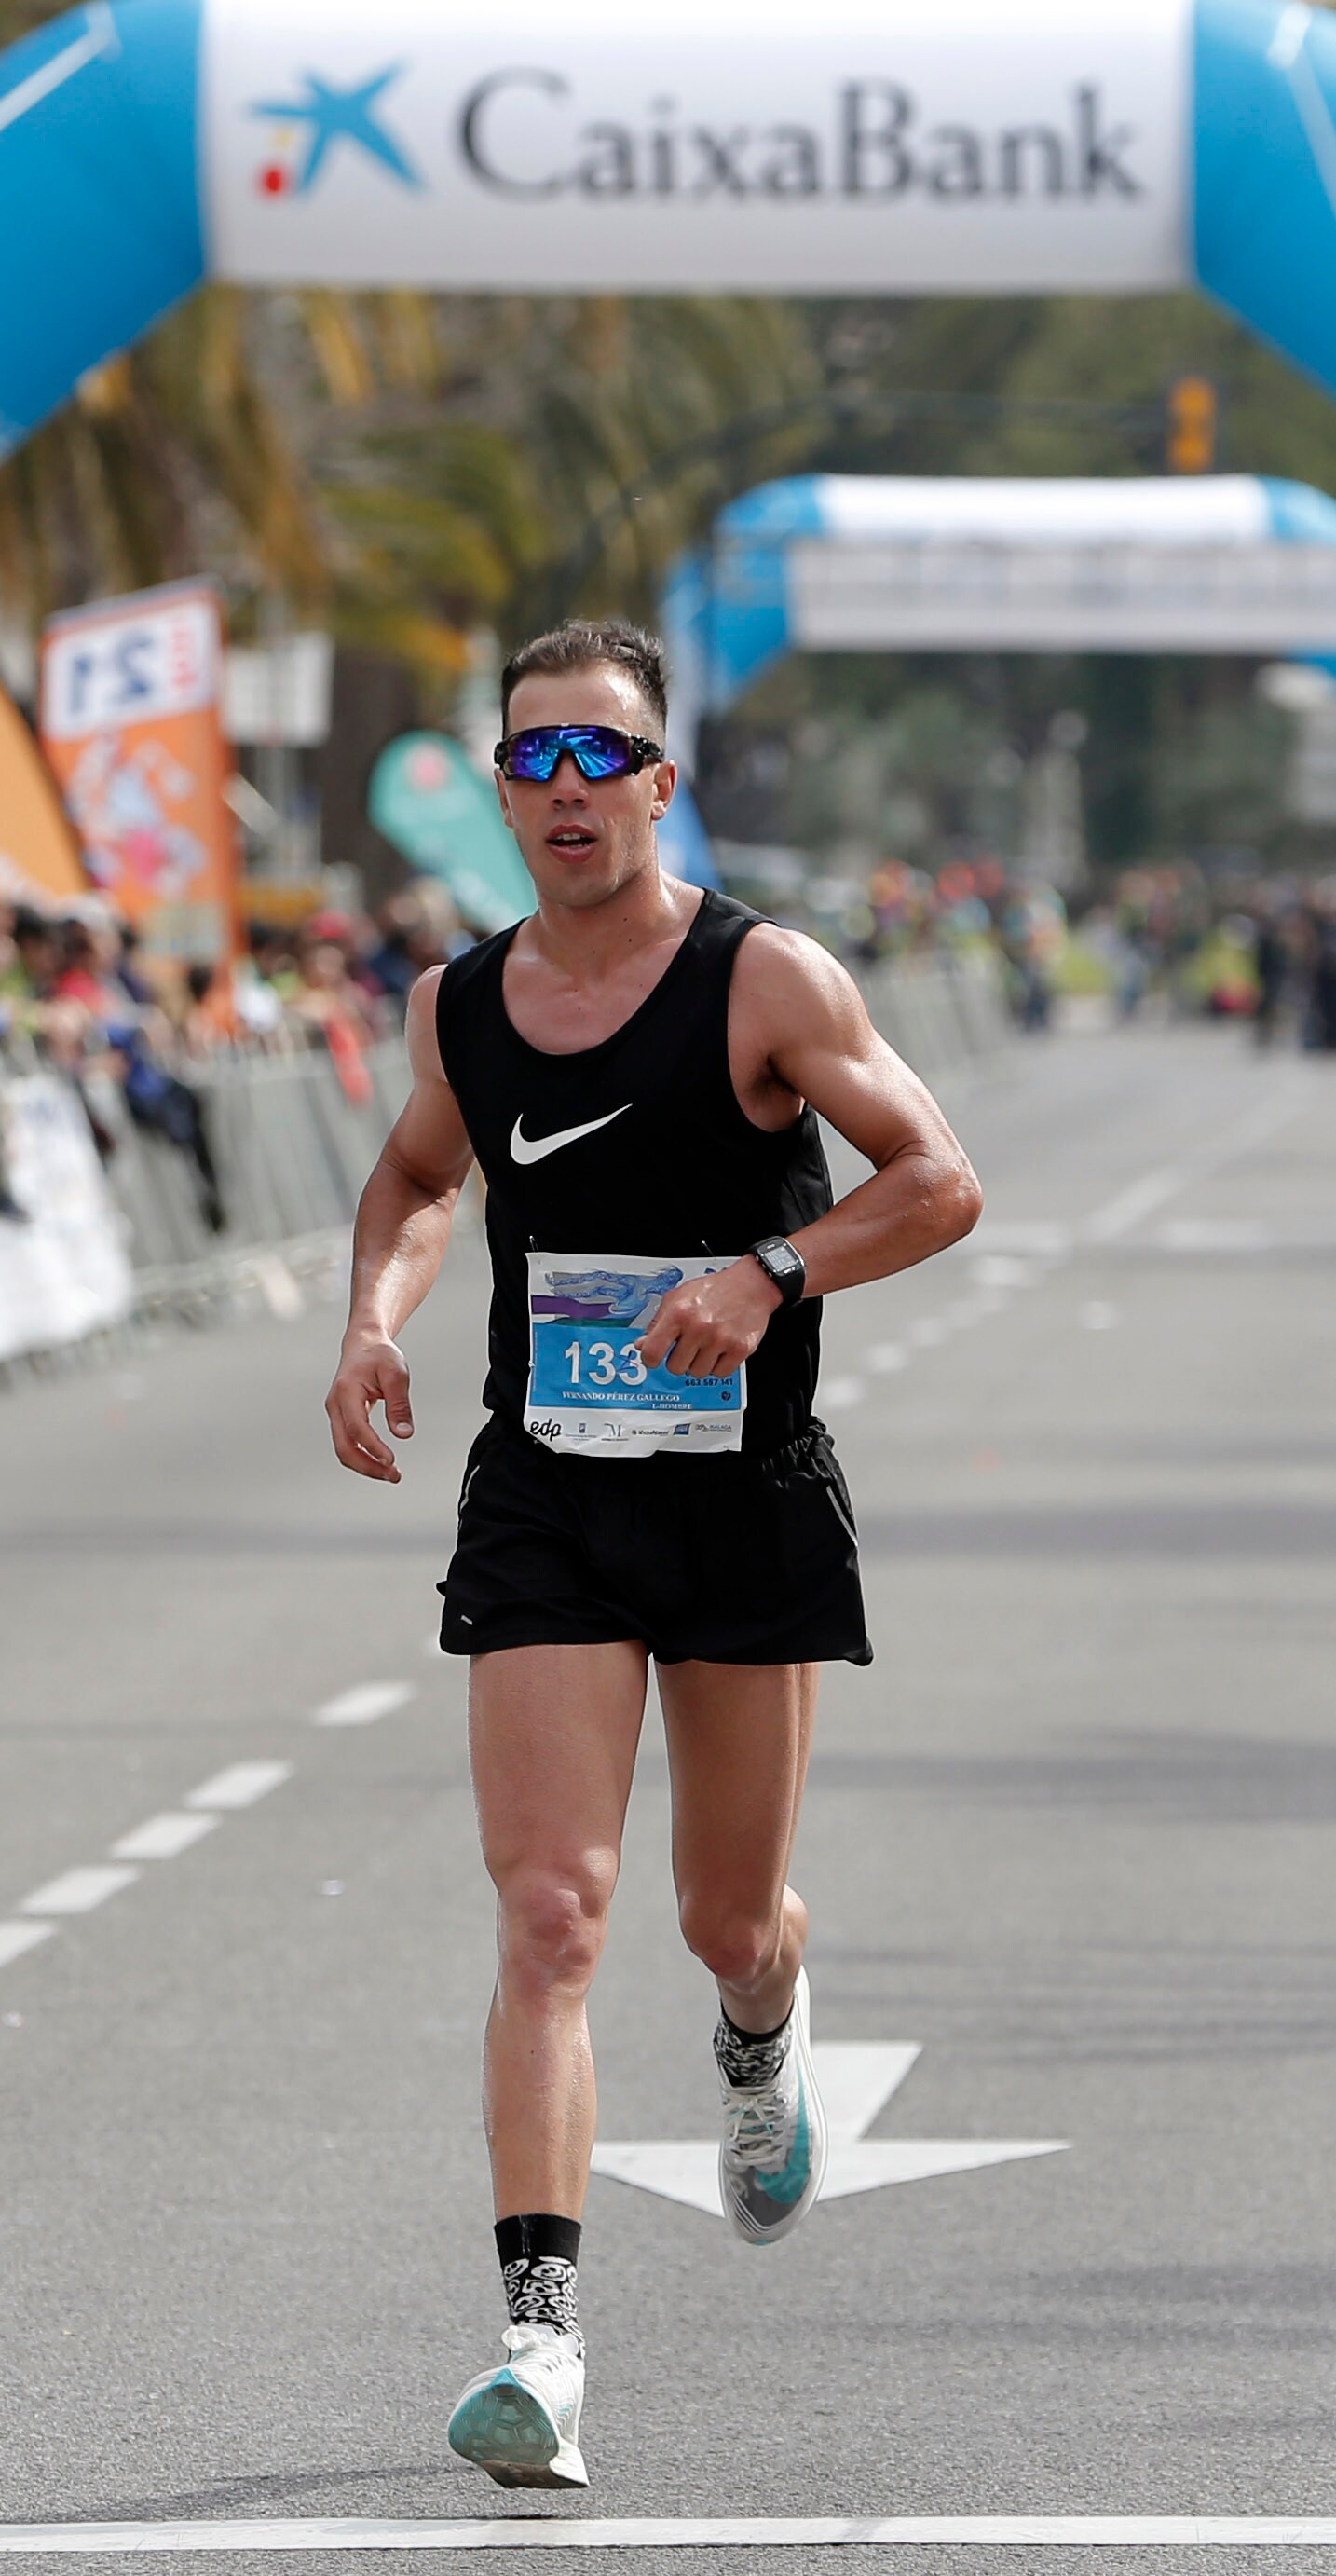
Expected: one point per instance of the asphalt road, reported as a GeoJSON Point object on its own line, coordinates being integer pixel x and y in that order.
{"type": "Point", "coordinates": [1074, 1833]}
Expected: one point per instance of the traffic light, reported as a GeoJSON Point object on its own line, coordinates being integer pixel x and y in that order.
{"type": "Point", "coordinates": [1192, 411]}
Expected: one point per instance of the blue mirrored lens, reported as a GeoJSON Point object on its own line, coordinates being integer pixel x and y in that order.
{"type": "Point", "coordinates": [599, 752]}
{"type": "Point", "coordinates": [532, 755]}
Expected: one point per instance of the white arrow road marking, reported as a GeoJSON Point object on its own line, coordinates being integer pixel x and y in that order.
{"type": "Point", "coordinates": [876, 2162]}
{"type": "Point", "coordinates": [857, 2080]}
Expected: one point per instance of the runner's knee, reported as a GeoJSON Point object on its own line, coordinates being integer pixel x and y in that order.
{"type": "Point", "coordinates": [552, 1924]}
{"type": "Point", "coordinates": [737, 1948]}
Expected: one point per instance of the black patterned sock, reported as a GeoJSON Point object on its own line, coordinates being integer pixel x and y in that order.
{"type": "Point", "coordinates": [751, 2057]}
{"type": "Point", "coordinates": [538, 2255]}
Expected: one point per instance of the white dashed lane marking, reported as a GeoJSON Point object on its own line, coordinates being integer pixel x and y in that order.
{"type": "Point", "coordinates": [1134, 1204]}
{"type": "Point", "coordinates": [176, 1829]}
{"type": "Point", "coordinates": [838, 1393]}
{"type": "Point", "coordinates": [1039, 1236]}
{"type": "Point", "coordinates": [997, 1275]}
{"type": "Point", "coordinates": [365, 1702]}
{"type": "Point", "coordinates": [1008, 1256]}
{"type": "Point", "coordinates": [1003, 1270]}
{"type": "Point", "coordinates": [912, 2531]}
{"type": "Point", "coordinates": [1216, 1234]}
{"type": "Point", "coordinates": [241, 1784]}
{"type": "Point", "coordinates": [77, 1891]}
{"type": "Point", "coordinates": [162, 1837]}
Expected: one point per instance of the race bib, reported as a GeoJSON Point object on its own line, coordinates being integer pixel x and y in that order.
{"type": "Point", "coordinates": [589, 1389]}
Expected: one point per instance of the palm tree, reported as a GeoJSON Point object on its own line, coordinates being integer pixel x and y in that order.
{"type": "Point", "coordinates": [396, 465]}
{"type": "Point", "coordinates": [582, 440]}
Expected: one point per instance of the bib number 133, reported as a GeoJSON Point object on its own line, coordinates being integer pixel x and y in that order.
{"type": "Point", "coordinates": [605, 1364]}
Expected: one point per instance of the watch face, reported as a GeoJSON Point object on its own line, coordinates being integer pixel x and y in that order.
{"type": "Point", "coordinates": [781, 1260]}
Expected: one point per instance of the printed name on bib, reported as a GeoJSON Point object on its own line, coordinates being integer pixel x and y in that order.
{"type": "Point", "coordinates": [590, 1393]}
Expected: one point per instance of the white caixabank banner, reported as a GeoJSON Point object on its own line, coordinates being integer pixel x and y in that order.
{"type": "Point", "coordinates": [743, 148]}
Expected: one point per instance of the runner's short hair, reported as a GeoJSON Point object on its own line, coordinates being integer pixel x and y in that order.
{"type": "Point", "coordinates": [580, 645]}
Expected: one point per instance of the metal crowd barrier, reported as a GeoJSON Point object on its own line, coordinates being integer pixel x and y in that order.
{"type": "Point", "coordinates": [293, 1151]}
{"type": "Point", "coordinates": [943, 1015]}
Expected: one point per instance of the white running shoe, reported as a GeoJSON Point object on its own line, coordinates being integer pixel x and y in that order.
{"type": "Point", "coordinates": [772, 2159]}
{"type": "Point", "coordinates": [521, 2422]}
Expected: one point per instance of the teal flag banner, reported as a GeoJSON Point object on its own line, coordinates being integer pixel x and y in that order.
{"type": "Point", "coordinates": [442, 815]}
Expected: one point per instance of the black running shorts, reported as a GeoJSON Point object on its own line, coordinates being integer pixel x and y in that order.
{"type": "Point", "coordinates": [729, 1560]}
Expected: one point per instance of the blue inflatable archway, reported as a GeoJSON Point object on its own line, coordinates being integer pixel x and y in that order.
{"type": "Point", "coordinates": [871, 147]}
{"type": "Point", "coordinates": [1221, 563]}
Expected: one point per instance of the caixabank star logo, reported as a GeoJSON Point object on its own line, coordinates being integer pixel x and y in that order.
{"type": "Point", "coordinates": [305, 130]}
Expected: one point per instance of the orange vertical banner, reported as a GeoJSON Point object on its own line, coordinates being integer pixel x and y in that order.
{"type": "Point", "coordinates": [39, 853]}
{"type": "Point", "coordinates": [130, 723]}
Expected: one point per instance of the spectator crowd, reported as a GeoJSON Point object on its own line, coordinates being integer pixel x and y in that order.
{"type": "Point", "coordinates": [78, 993]}
{"type": "Point", "coordinates": [1171, 937]}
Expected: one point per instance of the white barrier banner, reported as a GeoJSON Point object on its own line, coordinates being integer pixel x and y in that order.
{"type": "Point", "coordinates": [64, 1267]}
{"type": "Point", "coordinates": [869, 143]}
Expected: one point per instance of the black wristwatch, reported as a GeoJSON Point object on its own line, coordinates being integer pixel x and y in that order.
{"type": "Point", "coordinates": [783, 1264]}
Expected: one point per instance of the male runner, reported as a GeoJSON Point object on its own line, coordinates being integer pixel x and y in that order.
{"type": "Point", "coordinates": [638, 1070]}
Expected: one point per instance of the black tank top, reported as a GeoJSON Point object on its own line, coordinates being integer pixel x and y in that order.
{"type": "Point", "coordinates": [678, 1168]}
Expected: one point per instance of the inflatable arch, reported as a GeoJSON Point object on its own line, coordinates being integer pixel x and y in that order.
{"type": "Point", "coordinates": [1224, 563]}
{"type": "Point", "coordinates": [869, 146]}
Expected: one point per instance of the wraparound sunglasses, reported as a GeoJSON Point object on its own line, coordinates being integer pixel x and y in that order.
{"type": "Point", "coordinates": [599, 751]}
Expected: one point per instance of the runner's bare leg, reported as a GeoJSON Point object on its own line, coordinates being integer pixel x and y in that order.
{"type": "Point", "coordinates": [739, 1736]}
{"type": "Point", "coordinates": [553, 1732]}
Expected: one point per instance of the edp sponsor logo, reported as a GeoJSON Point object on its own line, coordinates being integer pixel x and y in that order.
{"type": "Point", "coordinates": [521, 135]}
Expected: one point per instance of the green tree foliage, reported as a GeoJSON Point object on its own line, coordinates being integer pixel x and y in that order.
{"type": "Point", "coordinates": [401, 465]}
{"type": "Point", "coordinates": [1063, 385]}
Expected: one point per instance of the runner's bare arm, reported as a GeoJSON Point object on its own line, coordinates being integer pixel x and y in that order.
{"type": "Point", "coordinates": [799, 1031]}
{"type": "Point", "coordinates": [816, 1040]}
{"type": "Point", "coordinates": [403, 1226]}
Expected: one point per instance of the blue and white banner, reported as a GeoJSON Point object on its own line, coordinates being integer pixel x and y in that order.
{"type": "Point", "coordinates": [871, 146]}
{"type": "Point", "coordinates": [815, 150]}
{"type": "Point", "coordinates": [1221, 563]}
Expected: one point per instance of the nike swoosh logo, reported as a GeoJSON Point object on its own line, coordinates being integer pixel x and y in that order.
{"type": "Point", "coordinates": [525, 1150]}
